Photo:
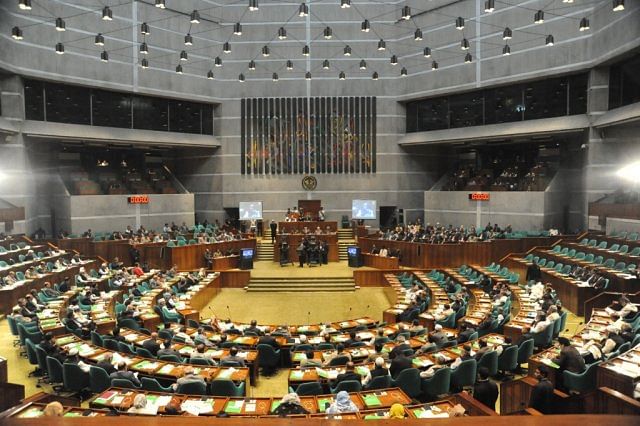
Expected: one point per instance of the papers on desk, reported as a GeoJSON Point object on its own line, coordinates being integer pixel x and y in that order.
{"type": "Point", "coordinates": [296, 375]}
{"type": "Point", "coordinates": [550, 363]}
{"type": "Point", "coordinates": [626, 368]}
{"type": "Point", "coordinates": [234, 407]}
{"type": "Point", "coordinates": [196, 407]}
{"type": "Point", "coordinates": [226, 373]}
{"type": "Point", "coordinates": [431, 414]}
{"type": "Point", "coordinates": [131, 337]}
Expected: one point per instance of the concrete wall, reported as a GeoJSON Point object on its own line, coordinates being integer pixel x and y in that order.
{"type": "Point", "coordinates": [522, 210]}
{"type": "Point", "coordinates": [402, 174]}
{"type": "Point", "coordinates": [113, 212]}
{"type": "Point", "coordinates": [619, 225]}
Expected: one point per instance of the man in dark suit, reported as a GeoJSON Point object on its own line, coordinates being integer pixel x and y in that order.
{"type": "Point", "coordinates": [465, 332]}
{"type": "Point", "coordinates": [399, 363]}
{"type": "Point", "coordinates": [151, 344]}
{"type": "Point", "coordinates": [438, 336]}
{"type": "Point", "coordinates": [268, 339]}
{"type": "Point", "coordinates": [168, 350]}
{"type": "Point", "coordinates": [526, 335]}
{"type": "Point", "coordinates": [274, 227]}
{"type": "Point", "coordinates": [541, 398]}
{"type": "Point", "coordinates": [485, 390]}
{"type": "Point", "coordinates": [233, 357]}
{"type": "Point", "coordinates": [400, 347]}
{"type": "Point", "coordinates": [569, 359]}
{"type": "Point", "coordinates": [533, 272]}
{"type": "Point", "coordinates": [106, 364]}
{"type": "Point", "coordinates": [253, 328]}
{"type": "Point", "coordinates": [349, 374]}
{"type": "Point", "coordinates": [123, 373]}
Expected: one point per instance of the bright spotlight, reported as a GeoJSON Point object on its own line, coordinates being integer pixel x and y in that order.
{"type": "Point", "coordinates": [630, 172]}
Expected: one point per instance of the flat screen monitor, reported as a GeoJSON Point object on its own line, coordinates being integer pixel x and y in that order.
{"type": "Point", "coordinates": [363, 209]}
{"type": "Point", "coordinates": [353, 251]}
{"type": "Point", "coordinates": [247, 253]}
{"type": "Point", "coordinates": [250, 210]}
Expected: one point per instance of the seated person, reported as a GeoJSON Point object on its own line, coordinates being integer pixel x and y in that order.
{"type": "Point", "coordinates": [188, 377]}
{"type": "Point", "coordinates": [379, 370]}
{"type": "Point", "coordinates": [342, 404]}
{"type": "Point", "coordinates": [290, 404]}
{"type": "Point", "coordinates": [233, 357]}
{"type": "Point", "coordinates": [124, 373]}
{"type": "Point", "coordinates": [349, 374]}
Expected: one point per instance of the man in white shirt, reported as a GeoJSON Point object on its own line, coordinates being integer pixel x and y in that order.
{"type": "Point", "coordinates": [541, 324]}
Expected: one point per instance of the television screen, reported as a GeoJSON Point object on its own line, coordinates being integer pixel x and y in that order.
{"type": "Point", "coordinates": [247, 253]}
{"type": "Point", "coordinates": [363, 209]}
{"type": "Point", "coordinates": [250, 210]}
{"type": "Point", "coordinates": [352, 251]}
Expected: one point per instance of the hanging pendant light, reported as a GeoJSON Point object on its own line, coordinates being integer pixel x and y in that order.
{"type": "Point", "coordinates": [307, 76]}
{"type": "Point", "coordinates": [60, 48]}
{"type": "Point", "coordinates": [459, 23]}
{"type": "Point", "coordinates": [104, 56]}
{"type": "Point", "coordinates": [188, 40]}
{"type": "Point", "coordinates": [325, 64]}
{"type": "Point", "coordinates": [363, 64]}
{"type": "Point", "coordinates": [183, 56]}
{"type": "Point", "coordinates": [210, 75]}
{"type": "Point", "coordinates": [549, 40]}
{"type": "Point", "coordinates": [16, 33]}
{"type": "Point", "coordinates": [252, 65]}
{"type": "Point", "coordinates": [394, 60]}
{"type": "Point", "coordinates": [328, 33]}
{"type": "Point", "coordinates": [237, 29]}
{"type": "Point", "coordinates": [265, 51]}
{"type": "Point", "coordinates": [417, 36]}
{"type": "Point", "coordinates": [144, 63]}
{"type": "Point", "coordinates": [507, 34]}
{"type": "Point", "coordinates": [144, 29]}
{"type": "Point", "coordinates": [99, 40]}
{"type": "Point", "coordinates": [303, 10]}
{"type": "Point", "coordinates": [107, 14]}
{"type": "Point", "coordinates": [274, 77]}
{"type": "Point", "coordinates": [347, 50]}
{"type": "Point", "coordinates": [365, 27]}
{"type": "Point", "coordinates": [195, 17]}
{"type": "Point", "coordinates": [434, 65]}
{"type": "Point", "coordinates": [289, 65]}
{"type": "Point", "coordinates": [144, 48]}
{"type": "Point", "coordinates": [226, 47]}
{"type": "Point", "coordinates": [489, 6]}
{"type": "Point", "coordinates": [374, 76]}
{"type": "Point", "coordinates": [60, 25]}
{"type": "Point", "coordinates": [382, 45]}
{"type": "Point", "coordinates": [282, 33]}
{"type": "Point", "coordinates": [179, 69]}
{"type": "Point", "coordinates": [342, 76]}
{"type": "Point", "coordinates": [217, 61]}
{"type": "Point", "coordinates": [427, 52]}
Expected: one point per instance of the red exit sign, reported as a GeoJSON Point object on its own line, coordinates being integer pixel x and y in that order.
{"type": "Point", "coordinates": [138, 199]}
{"type": "Point", "coordinates": [479, 196]}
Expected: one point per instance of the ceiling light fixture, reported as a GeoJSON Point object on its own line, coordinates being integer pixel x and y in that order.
{"type": "Point", "coordinates": [342, 76]}
{"type": "Point", "coordinates": [60, 49]}
{"type": "Point", "coordinates": [237, 29]}
{"type": "Point", "coordinates": [183, 56]}
{"type": "Point", "coordinates": [403, 72]}
{"type": "Point", "coordinates": [489, 6]}
{"type": "Point", "coordinates": [195, 17]}
{"type": "Point", "coordinates": [252, 65]}
{"type": "Point", "coordinates": [538, 18]}
{"type": "Point", "coordinates": [347, 50]}
{"type": "Point", "coordinates": [226, 47]}
{"type": "Point", "coordinates": [144, 64]}
{"type": "Point", "coordinates": [289, 65]}
{"type": "Point", "coordinates": [107, 14]}
{"type": "Point", "coordinates": [549, 40]}
{"type": "Point", "coordinates": [618, 5]}
{"type": "Point", "coordinates": [274, 77]}
{"type": "Point", "coordinates": [326, 64]}
{"type": "Point", "coordinates": [506, 50]}
{"type": "Point", "coordinates": [306, 50]}
{"type": "Point", "coordinates": [464, 44]}
{"type": "Point", "coordinates": [427, 52]}
{"type": "Point", "coordinates": [188, 40]}
{"type": "Point", "coordinates": [382, 45]}
{"type": "Point", "coordinates": [253, 5]}
{"type": "Point", "coordinates": [406, 13]}
{"type": "Point", "coordinates": [434, 65]}
{"type": "Point", "coordinates": [24, 4]}
{"type": "Point", "coordinates": [282, 33]}
{"type": "Point", "coordinates": [303, 10]}
{"type": "Point", "coordinates": [417, 36]}
{"type": "Point", "coordinates": [328, 33]}
{"type": "Point", "coordinates": [160, 4]}
{"type": "Point", "coordinates": [459, 23]}
{"type": "Point", "coordinates": [363, 64]}
{"type": "Point", "coordinates": [99, 40]}
{"type": "Point", "coordinates": [584, 24]}
{"type": "Point", "coordinates": [375, 76]}
{"type": "Point", "coordinates": [60, 25]}
{"type": "Point", "coordinates": [241, 78]}
{"type": "Point", "coordinates": [16, 33]}
{"type": "Point", "coordinates": [104, 56]}
{"type": "Point", "coordinates": [217, 61]}
{"type": "Point", "coordinates": [265, 51]}
{"type": "Point", "coordinates": [144, 48]}
{"type": "Point", "coordinates": [210, 75]}
{"type": "Point", "coordinates": [394, 60]}
{"type": "Point", "coordinates": [507, 34]}
{"type": "Point", "coordinates": [345, 4]}
{"type": "Point", "coordinates": [468, 58]}
{"type": "Point", "coordinates": [144, 29]}
{"type": "Point", "coordinates": [365, 27]}
{"type": "Point", "coordinates": [307, 76]}
{"type": "Point", "coordinates": [179, 69]}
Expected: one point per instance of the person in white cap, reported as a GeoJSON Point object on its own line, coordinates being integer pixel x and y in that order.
{"type": "Point", "coordinates": [438, 336]}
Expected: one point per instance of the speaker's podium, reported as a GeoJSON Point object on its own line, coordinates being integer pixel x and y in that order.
{"type": "Point", "coordinates": [246, 258]}
{"type": "Point", "coordinates": [354, 256]}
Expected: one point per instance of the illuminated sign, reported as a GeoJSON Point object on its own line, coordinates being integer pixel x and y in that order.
{"type": "Point", "coordinates": [479, 196]}
{"type": "Point", "coordinates": [138, 199]}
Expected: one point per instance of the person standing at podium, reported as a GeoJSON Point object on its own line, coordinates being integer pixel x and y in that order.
{"type": "Point", "coordinates": [274, 228]}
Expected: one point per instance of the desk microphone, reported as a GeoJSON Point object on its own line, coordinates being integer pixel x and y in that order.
{"type": "Point", "coordinates": [308, 317]}
{"type": "Point", "coordinates": [229, 312]}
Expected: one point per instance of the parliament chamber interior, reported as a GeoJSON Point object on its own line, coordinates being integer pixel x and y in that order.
{"type": "Point", "coordinates": [245, 211]}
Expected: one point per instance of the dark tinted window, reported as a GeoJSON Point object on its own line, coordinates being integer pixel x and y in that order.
{"type": "Point", "coordinates": [67, 104]}
{"type": "Point", "coordinates": [578, 94]}
{"type": "Point", "coordinates": [34, 100]}
{"type": "Point", "coordinates": [112, 109]}
{"type": "Point", "coordinates": [466, 110]}
{"type": "Point", "coordinates": [624, 83]}
{"type": "Point", "coordinates": [412, 116]}
{"type": "Point", "coordinates": [433, 114]}
{"type": "Point", "coordinates": [503, 105]}
{"type": "Point", "coordinates": [184, 117]}
{"type": "Point", "coordinates": [207, 119]}
{"type": "Point", "coordinates": [546, 98]}
{"type": "Point", "coordinates": [150, 113]}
